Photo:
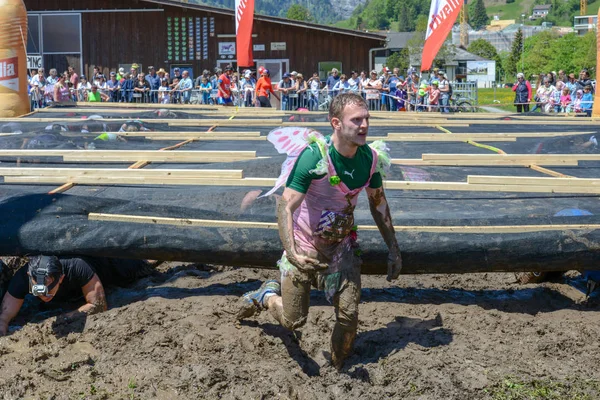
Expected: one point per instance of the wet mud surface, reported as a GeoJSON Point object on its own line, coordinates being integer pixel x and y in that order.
{"type": "Point", "coordinates": [173, 335]}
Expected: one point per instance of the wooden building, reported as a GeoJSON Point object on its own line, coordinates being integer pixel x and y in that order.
{"type": "Point", "coordinates": [166, 33]}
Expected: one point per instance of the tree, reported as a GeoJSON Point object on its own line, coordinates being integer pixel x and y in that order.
{"type": "Point", "coordinates": [404, 22]}
{"type": "Point", "coordinates": [298, 13]}
{"type": "Point", "coordinates": [478, 17]}
{"type": "Point", "coordinates": [485, 49]}
{"type": "Point", "coordinates": [516, 51]}
{"type": "Point", "coordinates": [398, 60]}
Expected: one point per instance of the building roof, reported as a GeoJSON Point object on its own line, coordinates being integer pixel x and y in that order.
{"type": "Point", "coordinates": [266, 18]}
{"type": "Point", "coordinates": [542, 7]}
{"type": "Point", "coordinates": [398, 40]}
{"type": "Point", "coordinates": [463, 55]}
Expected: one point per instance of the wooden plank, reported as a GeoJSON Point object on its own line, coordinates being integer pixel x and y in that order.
{"type": "Point", "coordinates": [548, 171]}
{"type": "Point", "coordinates": [129, 154]}
{"type": "Point", "coordinates": [448, 138]}
{"type": "Point", "coordinates": [184, 133]}
{"type": "Point", "coordinates": [481, 163]}
{"type": "Point", "coordinates": [211, 138]}
{"type": "Point", "coordinates": [466, 187]}
{"type": "Point", "coordinates": [186, 122]}
{"type": "Point", "coordinates": [521, 180]}
{"type": "Point", "coordinates": [477, 136]}
{"type": "Point", "coordinates": [374, 123]}
{"type": "Point", "coordinates": [126, 110]}
{"type": "Point", "coordinates": [268, 182]}
{"type": "Point", "coordinates": [142, 219]}
{"type": "Point", "coordinates": [526, 158]}
{"type": "Point", "coordinates": [119, 172]}
{"type": "Point", "coordinates": [110, 180]}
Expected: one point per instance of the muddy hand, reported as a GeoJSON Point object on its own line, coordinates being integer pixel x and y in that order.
{"type": "Point", "coordinates": [394, 266]}
{"type": "Point", "coordinates": [307, 264]}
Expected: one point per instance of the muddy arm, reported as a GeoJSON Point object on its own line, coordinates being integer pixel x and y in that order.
{"type": "Point", "coordinates": [93, 291]}
{"type": "Point", "coordinates": [383, 219]}
{"type": "Point", "coordinates": [10, 309]}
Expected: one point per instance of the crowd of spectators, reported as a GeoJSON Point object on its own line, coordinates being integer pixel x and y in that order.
{"type": "Point", "coordinates": [556, 93]}
{"type": "Point", "coordinates": [384, 90]}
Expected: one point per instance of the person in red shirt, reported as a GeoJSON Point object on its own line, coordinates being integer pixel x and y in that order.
{"type": "Point", "coordinates": [264, 89]}
{"type": "Point", "coordinates": [224, 87]}
{"type": "Point", "coordinates": [434, 96]}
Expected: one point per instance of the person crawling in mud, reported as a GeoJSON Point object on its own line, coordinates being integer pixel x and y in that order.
{"type": "Point", "coordinates": [316, 225]}
{"type": "Point", "coordinates": [65, 279]}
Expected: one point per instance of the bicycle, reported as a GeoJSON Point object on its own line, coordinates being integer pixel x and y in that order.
{"type": "Point", "coordinates": [460, 104]}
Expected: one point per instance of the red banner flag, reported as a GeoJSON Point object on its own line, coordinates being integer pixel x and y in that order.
{"type": "Point", "coordinates": [244, 19]}
{"type": "Point", "coordinates": [442, 15]}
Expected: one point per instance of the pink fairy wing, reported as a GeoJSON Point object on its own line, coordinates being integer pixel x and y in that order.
{"type": "Point", "coordinates": [291, 141]}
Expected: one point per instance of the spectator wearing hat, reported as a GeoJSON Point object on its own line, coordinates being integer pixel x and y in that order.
{"type": "Point", "coordinates": [444, 92]}
{"type": "Point", "coordinates": [114, 88]}
{"type": "Point", "coordinates": [434, 96]}
{"type": "Point", "coordinates": [285, 87]}
{"type": "Point", "coordinates": [120, 74]}
{"type": "Point", "coordinates": [154, 81]}
{"type": "Point", "coordinates": [373, 91]}
{"type": "Point", "coordinates": [522, 91]}
{"type": "Point", "coordinates": [264, 89]}
{"type": "Point", "coordinates": [176, 74]}
{"type": "Point", "coordinates": [300, 88]}
{"type": "Point", "coordinates": [332, 79]}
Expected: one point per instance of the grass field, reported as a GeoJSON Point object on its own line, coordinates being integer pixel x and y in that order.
{"type": "Point", "coordinates": [509, 11]}
{"type": "Point", "coordinates": [503, 99]}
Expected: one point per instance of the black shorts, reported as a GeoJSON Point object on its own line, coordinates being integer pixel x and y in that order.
{"type": "Point", "coordinates": [264, 101]}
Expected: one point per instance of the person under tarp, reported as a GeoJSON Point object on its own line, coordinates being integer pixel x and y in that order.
{"type": "Point", "coordinates": [67, 279]}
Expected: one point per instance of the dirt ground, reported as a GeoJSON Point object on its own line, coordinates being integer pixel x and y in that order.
{"type": "Point", "coordinates": [174, 336]}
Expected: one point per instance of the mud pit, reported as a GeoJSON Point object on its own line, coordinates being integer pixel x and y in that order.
{"type": "Point", "coordinates": [173, 335]}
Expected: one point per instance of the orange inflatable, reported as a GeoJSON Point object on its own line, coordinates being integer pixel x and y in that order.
{"type": "Point", "coordinates": [14, 101]}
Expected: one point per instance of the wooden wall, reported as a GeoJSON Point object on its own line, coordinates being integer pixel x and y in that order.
{"type": "Point", "coordinates": [113, 38]}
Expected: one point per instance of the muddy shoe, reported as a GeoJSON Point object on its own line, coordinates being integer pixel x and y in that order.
{"type": "Point", "coordinates": [253, 302]}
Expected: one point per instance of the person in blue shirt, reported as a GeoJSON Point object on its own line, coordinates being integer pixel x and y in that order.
{"type": "Point", "coordinates": [205, 90]}
{"type": "Point", "coordinates": [154, 81]}
{"type": "Point", "coordinates": [331, 81]}
{"type": "Point", "coordinates": [127, 89]}
{"type": "Point", "coordinates": [392, 83]}
{"type": "Point", "coordinates": [587, 101]}
{"type": "Point", "coordinates": [185, 87]}
{"type": "Point", "coordinates": [114, 88]}
{"type": "Point", "coordinates": [342, 86]}
{"type": "Point", "coordinates": [285, 87]}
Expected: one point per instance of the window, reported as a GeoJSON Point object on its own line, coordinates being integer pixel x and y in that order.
{"type": "Point", "coordinates": [33, 34]}
{"type": "Point", "coordinates": [61, 33]}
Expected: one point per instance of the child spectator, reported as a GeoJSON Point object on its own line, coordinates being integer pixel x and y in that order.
{"type": "Point", "coordinates": [434, 96]}
{"type": "Point", "coordinates": [565, 100]}
{"type": "Point", "coordinates": [205, 90]}
{"type": "Point", "coordinates": [587, 101]}
{"type": "Point", "coordinates": [342, 86]}
{"type": "Point", "coordinates": [577, 108]}
{"type": "Point", "coordinates": [164, 92]}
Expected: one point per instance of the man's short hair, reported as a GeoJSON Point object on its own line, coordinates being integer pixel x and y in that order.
{"type": "Point", "coordinates": [49, 266]}
{"type": "Point", "coordinates": [340, 102]}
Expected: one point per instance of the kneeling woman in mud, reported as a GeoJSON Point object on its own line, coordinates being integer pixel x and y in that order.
{"type": "Point", "coordinates": [67, 279]}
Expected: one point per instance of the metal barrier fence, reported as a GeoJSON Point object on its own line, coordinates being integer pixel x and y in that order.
{"type": "Point", "coordinates": [464, 93]}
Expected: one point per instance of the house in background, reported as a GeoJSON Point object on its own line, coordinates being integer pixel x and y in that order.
{"type": "Point", "coordinates": [540, 11]}
{"type": "Point", "coordinates": [583, 24]}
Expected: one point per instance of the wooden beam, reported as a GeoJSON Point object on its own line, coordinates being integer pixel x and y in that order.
{"type": "Point", "coordinates": [478, 136]}
{"type": "Point", "coordinates": [268, 182]}
{"type": "Point", "coordinates": [139, 219]}
{"type": "Point", "coordinates": [434, 137]}
{"type": "Point", "coordinates": [548, 171]}
{"type": "Point", "coordinates": [538, 181]}
{"type": "Point", "coordinates": [184, 133]}
{"type": "Point", "coordinates": [126, 110]}
{"type": "Point", "coordinates": [524, 158]}
{"type": "Point", "coordinates": [134, 155]}
{"type": "Point", "coordinates": [174, 122]}
{"type": "Point", "coordinates": [119, 172]}
{"type": "Point", "coordinates": [210, 138]}
{"type": "Point", "coordinates": [480, 163]}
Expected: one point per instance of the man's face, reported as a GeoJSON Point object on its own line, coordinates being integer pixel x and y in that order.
{"type": "Point", "coordinates": [572, 77]}
{"type": "Point", "coordinates": [185, 74]}
{"type": "Point", "coordinates": [49, 281]}
{"type": "Point", "coordinates": [354, 125]}
{"type": "Point", "coordinates": [70, 70]}
{"type": "Point", "coordinates": [334, 73]}
{"type": "Point", "coordinates": [176, 72]}
{"type": "Point", "coordinates": [40, 72]}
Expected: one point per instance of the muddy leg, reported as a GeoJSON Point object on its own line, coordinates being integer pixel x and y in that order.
{"type": "Point", "coordinates": [346, 311]}
{"type": "Point", "coordinates": [291, 308]}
